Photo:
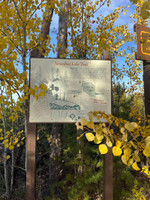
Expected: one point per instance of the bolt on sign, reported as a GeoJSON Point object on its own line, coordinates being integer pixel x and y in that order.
{"type": "Point", "coordinates": [74, 88]}
{"type": "Point", "coordinates": [143, 42]}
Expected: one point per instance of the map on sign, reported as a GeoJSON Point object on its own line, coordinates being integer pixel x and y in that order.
{"type": "Point", "coordinates": [74, 88]}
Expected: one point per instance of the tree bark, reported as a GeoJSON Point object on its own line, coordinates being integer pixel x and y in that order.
{"type": "Point", "coordinates": [45, 29]}
{"type": "Point", "coordinates": [55, 167]}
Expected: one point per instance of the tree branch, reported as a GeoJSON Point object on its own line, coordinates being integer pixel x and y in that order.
{"type": "Point", "coordinates": [16, 7]}
{"type": "Point", "coordinates": [9, 84]}
{"type": "Point", "coordinates": [34, 12]}
{"type": "Point", "coordinates": [11, 40]}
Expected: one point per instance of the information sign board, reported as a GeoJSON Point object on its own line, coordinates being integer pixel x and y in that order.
{"type": "Point", "coordinates": [74, 88]}
{"type": "Point", "coordinates": [143, 42]}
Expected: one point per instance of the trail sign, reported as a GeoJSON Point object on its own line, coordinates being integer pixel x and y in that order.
{"type": "Point", "coordinates": [74, 88]}
{"type": "Point", "coordinates": [143, 42]}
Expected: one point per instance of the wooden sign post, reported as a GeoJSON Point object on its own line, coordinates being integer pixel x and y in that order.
{"type": "Point", "coordinates": [143, 53]}
{"type": "Point", "coordinates": [108, 158]}
{"type": "Point", "coordinates": [31, 154]}
{"type": "Point", "coordinates": [31, 162]}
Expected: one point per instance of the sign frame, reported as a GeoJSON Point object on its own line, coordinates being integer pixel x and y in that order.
{"type": "Point", "coordinates": [70, 60]}
{"type": "Point", "coordinates": [143, 42]}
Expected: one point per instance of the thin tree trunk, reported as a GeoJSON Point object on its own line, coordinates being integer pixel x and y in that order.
{"type": "Point", "coordinates": [12, 170]}
{"type": "Point", "coordinates": [6, 174]}
{"type": "Point", "coordinates": [12, 163]}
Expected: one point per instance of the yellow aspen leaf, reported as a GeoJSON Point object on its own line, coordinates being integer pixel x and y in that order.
{"type": "Point", "coordinates": [5, 141]}
{"type": "Point", "coordinates": [133, 144]}
{"type": "Point", "coordinates": [117, 151]}
{"type": "Point", "coordinates": [109, 143]}
{"type": "Point", "coordinates": [125, 137]}
{"type": "Point", "coordinates": [1, 129]}
{"type": "Point", "coordinates": [130, 162]}
{"type": "Point", "coordinates": [118, 143]}
{"type": "Point", "coordinates": [98, 139]}
{"type": "Point", "coordinates": [16, 116]}
{"type": "Point", "coordinates": [2, 83]}
{"type": "Point", "coordinates": [103, 149]}
{"type": "Point", "coordinates": [37, 98]}
{"type": "Point", "coordinates": [124, 159]}
{"type": "Point", "coordinates": [11, 147]}
{"type": "Point", "coordinates": [130, 126]}
{"type": "Point", "coordinates": [6, 145]}
{"type": "Point", "coordinates": [32, 91]}
{"type": "Point", "coordinates": [16, 141]}
{"type": "Point", "coordinates": [135, 166]}
{"type": "Point", "coordinates": [83, 122]}
{"type": "Point", "coordinates": [147, 141]}
{"type": "Point", "coordinates": [90, 114]}
{"type": "Point", "coordinates": [146, 151]}
{"type": "Point", "coordinates": [90, 124]}
{"type": "Point", "coordinates": [142, 197]}
{"type": "Point", "coordinates": [89, 136]}
{"type": "Point", "coordinates": [42, 94]}
{"type": "Point", "coordinates": [18, 145]}
{"type": "Point", "coordinates": [122, 130]}
{"type": "Point", "coordinates": [7, 157]}
{"type": "Point", "coordinates": [127, 152]}
{"type": "Point", "coordinates": [136, 158]}
{"type": "Point", "coordinates": [7, 132]}
{"type": "Point", "coordinates": [36, 88]}
{"type": "Point", "coordinates": [43, 87]}
{"type": "Point", "coordinates": [1, 138]}
{"type": "Point", "coordinates": [78, 126]}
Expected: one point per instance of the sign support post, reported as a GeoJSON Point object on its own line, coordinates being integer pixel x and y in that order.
{"type": "Point", "coordinates": [143, 53]}
{"type": "Point", "coordinates": [31, 154]}
{"type": "Point", "coordinates": [31, 162]}
{"type": "Point", "coordinates": [146, 79]}
{"type": "Point", "coordinates": [108, 158]}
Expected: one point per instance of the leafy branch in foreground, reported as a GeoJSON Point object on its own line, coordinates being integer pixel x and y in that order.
{"type": "Point", "coordinates": [129, 140]}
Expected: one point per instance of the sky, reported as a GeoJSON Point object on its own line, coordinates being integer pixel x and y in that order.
{"type": "Point", "coordinates": [105, 11]}
{"type": "Point", "coordinates": [124, 19]}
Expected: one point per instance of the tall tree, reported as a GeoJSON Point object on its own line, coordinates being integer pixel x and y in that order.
{"type": "Point", "coordinates": [55, 165]}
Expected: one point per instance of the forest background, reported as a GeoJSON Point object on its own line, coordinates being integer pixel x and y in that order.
{"type": "Point", "coordinates": [68, 168]}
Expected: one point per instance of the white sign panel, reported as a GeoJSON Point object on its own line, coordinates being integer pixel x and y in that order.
{"type": "Point", "coordinates": [75, 87]}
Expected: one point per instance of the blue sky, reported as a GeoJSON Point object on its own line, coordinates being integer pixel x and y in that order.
{"type": "Point", "coordinates": [105, 11]}
{"type": "Point", "coordinates": [124, 19]}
